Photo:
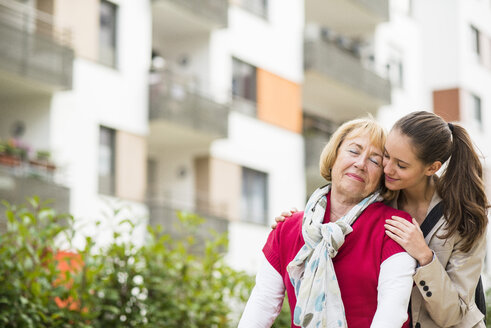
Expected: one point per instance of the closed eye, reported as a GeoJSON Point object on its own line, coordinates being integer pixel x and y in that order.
{"type": "Point", "coordinates": [375, 161]}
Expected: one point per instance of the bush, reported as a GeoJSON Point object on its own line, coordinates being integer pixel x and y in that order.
{"type": "Point", "coordinates": [165, 283]}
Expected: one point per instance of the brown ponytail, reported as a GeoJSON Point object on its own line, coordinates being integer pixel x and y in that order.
{"type": "Point", "coordinates": [461, 185]}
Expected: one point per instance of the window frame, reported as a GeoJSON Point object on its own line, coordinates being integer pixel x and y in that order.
{"type": "Point", "coordinates": [113, 46]}
{"type": "Point", "coordinates": [249, 177]}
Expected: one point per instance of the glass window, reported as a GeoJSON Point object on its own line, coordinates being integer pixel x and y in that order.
{"type": "Point", "coordinates": [107, 170]}
{"type": "Point", "coordinates": [475, 35]}
{"type": "Point", "coordinates": [254, 203]}
{"type": "Point", "coordinates": [244, 80]}
{"type": "Point", "coordinates": [107, 33]}
{"type": "Point", "coordinates": [244, 87]}
{"type": "Point", "coordinates": [477, 109]}
{"type": "Point", "coordinates": [395, 69]}
{"type": "Point", "coordinates": [257, 7]}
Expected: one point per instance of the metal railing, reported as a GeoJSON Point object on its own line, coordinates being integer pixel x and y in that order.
{"type": "Point", "coordinates": [342, 65]}
{"type": "Point", "coordinates": [379, 7]}
{"type": "Point", "coordinates": [177, 99]}
{"type": "Point", "coordinates": [213, 10]}
{"type": "Point", "coordinates": [32, 46]}
{"type": "Point", "coordinates": [16, 186]}
{"type": "Point", "coordinates": [257, 7]}
{"type": "Point", "coordinates": [165, 214]}
{"type": "Point", "coordinates": [314, 144]}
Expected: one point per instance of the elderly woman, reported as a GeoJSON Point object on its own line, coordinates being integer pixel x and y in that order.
{"type": "Point", "coordinates": [334, 260]}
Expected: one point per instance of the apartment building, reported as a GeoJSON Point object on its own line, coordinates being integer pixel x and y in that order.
{"type": "Point", "coordinates": [225, 116]}
{"type": "Point", "coordinates": [341, 77]}
{"type": "Point", "coordinates": [438, 58]}
{"type": "Point", "coordinates": [36, 62]}
{"type": "Point", "coordinates": [74, 85]}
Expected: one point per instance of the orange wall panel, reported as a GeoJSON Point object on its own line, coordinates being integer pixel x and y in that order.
{"type": "Point", "coordinates": [279, 101]}
{"type": "Point", "coordinates": [446, 103]}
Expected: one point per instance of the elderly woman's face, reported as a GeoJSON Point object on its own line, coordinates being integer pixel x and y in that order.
{"type": "Point", "coordinates": [358, 168]}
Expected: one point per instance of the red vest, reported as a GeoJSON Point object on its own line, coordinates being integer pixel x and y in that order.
{"type": "Point", "coordinates": [357, 263]}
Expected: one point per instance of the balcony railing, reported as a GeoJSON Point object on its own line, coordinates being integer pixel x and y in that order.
{"type": "Point", "coordinates": [32, 47]}
{"type": "Point", "coordinates": [176, 99]}
{"type": "Point", "coordinates": [314, 144]}
{"type": "Point", "coordinates": [378, 7]}
{"type": "Point", "coordinates": [18, 184]}
{"type": "Point", "coordinates": [165, 214]}
{"type": "Point", "coordinates": [213, 10]}
{"type": "Point", "coordinates": [257, 7]}
{"type": "Point", "coordinates": [328, 58]}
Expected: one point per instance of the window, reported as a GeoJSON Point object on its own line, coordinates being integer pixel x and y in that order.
{"type": "Point", "coordinates": [477, 110]}
{"type": "Point", "coordinates": [395, 69]}
{"type": "Point", "coordinates": [254, 202]}
{"type": "Point", "coordinates": [107, 156]}
{"type": "Point", "coordinates": [107, 33]}
{"type": "Point", "coordinates": [244, 87]}
{"type": "Point", "coordinates": [475, 36]}
{"type": "Point", "coordinates": [257, 7]}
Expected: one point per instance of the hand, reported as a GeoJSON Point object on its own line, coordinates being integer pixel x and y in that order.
{"type": "Point", "coordinates": [410, 237]}
{"type": "Point", "coordinates": [282, 217]}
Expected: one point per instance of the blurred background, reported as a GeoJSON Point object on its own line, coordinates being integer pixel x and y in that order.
{"type": "Point", "coordinates": [219, 107]}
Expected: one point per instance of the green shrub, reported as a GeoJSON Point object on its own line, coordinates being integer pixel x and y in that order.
{"type": "Point", "coordinates": [167, 282]}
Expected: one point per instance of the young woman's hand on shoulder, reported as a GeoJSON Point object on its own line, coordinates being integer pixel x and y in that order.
{"type": "Point", "coordinates": [410, 237]}
{"type": "Point", "coordinates": [282, 217]}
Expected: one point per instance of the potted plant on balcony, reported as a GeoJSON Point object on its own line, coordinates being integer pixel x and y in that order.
{"type": "Point", "coordinates": [43, 161]}
{"type": "Point", "coordinates": [12, 153]}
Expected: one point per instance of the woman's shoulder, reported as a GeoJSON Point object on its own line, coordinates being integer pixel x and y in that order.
{"type": "Point", "coordinates": [386, 210]}
{"type": "Point", "coordinates": [292, 222]}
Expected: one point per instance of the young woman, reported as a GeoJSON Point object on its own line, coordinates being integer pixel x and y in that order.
{"type": "Point", "coordinates": [451, 255]}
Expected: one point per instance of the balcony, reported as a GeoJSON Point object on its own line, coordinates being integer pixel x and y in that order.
{"type": "Point", "coordinates": [165, 214]}
{"type": "Point", "coordinates": [181, 114]}
{"type": "Point", "coordinates": [35, 56]}
{"type": "Point", "coordinates": [316, 133]}
{"type": "Point", "coordinates": [17, 183]}
{"type": "Point", "coordinates": [337, 85]}
{"type": "Point", "coordinates": [177, 19]}
{"type": "Point", "coordinates": [255, 7]}
{"type": "Point", "coordinates": [349, 17]}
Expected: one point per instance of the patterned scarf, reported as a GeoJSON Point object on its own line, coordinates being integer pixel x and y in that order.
{"type": "Point", "coordinates": [311, 272]}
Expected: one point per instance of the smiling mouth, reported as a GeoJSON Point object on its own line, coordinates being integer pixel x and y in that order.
{"type": "Point", "coordinates": [356, 177]}
{"type": "Point", "coordinates": [387, 178]}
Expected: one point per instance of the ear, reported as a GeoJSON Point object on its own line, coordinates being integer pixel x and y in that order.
{"type": "Point", "coordinates": [433, 168]}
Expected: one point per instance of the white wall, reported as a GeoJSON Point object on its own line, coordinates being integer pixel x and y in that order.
{"type": "Point", "coordinates": [401, 35]}
{"type": "Point", "coordinates": [116, 98]}
{"type": "Point", "coordinates": [275, 151]}
{"type": "Point", "coordinates": [34, 113]}
{"type": "Point", "coordinates": [275, 44]}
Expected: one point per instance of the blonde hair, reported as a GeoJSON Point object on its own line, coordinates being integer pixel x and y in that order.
{"type": "Point", "coordinates": [354, 128]}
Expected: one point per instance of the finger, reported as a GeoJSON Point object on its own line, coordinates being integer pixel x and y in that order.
{"type": "Point", "coordinates": [279, 218]}
{"type": "Point", "coordinates": [394, 237]}
{"type": "Point", "coordinates": [286, 214]}
{"type": "Point", "coordinates": [398, 224]}
{"type": "Point", "coordinates": [294, 210]}
{"type": "Point", "coordinates": [273, 226]}
{"type": "Point", "coordinates": [416, 224]}
{"type": "Point", "coordinates": [401, 220]}
{"type": "Point", "coordinates": [395, 230]}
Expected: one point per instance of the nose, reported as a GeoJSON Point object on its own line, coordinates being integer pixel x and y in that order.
{"type": "Point", "coordinates": [361, 162]}
{"type": "Point", "coordinates": [388, 167]}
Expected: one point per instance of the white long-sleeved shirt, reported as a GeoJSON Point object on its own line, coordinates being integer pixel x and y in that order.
{"type": "Point", "coordinates": [393, 293]}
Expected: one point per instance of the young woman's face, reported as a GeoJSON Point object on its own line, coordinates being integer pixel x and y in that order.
{"type": "Point", "coordinates": [402, 168]}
